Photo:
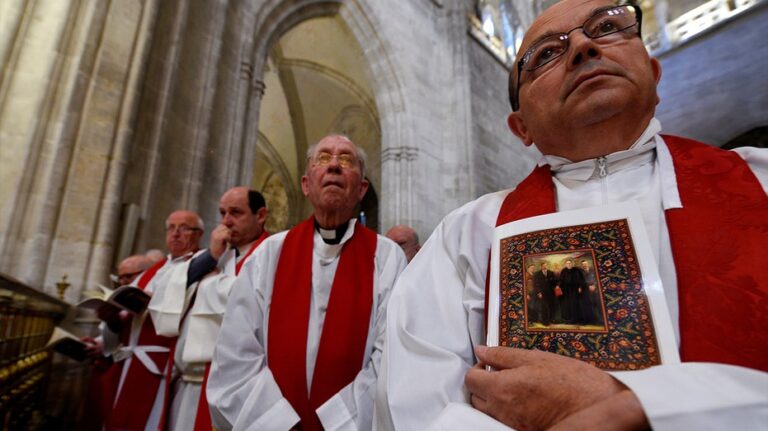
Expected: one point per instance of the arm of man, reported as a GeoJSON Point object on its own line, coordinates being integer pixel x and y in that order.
{"type": "Point", "coordinates": [352, 408]}
{"type": "Point", "coordinates": [206, 262]}
{"type": "Point", "coordinates": [667, 397]}
{"type": "Point", "coordinates": [242, 392]}
{"type": "Point", "coordinates": [434, 319]}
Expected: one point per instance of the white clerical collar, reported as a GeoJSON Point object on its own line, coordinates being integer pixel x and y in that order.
{"type": "Point", "coordinates": [639, 153]}
{"type": "Point", "coordinates": [330, 251]}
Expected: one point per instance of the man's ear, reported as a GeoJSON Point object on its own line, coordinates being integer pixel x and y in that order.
{"type": "Point", "coordinates": [656, 68]}
{"type": "Point", "coordinates": [517, 126]}
{"type": "Point", "coordinates": [261, 215]}
{"type": "Point", "coordinates": [305, 185]}
{"type": "Point", "coordinates": [363, 188]}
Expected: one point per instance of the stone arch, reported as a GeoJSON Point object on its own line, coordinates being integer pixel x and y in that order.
{"type": "Point", "coordinates": [276, 18]}
{"type": "Point", "coordinates": [279, 170]}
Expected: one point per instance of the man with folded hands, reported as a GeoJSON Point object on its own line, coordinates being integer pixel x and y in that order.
{"type": "Point", "coordinates": [583, 90]}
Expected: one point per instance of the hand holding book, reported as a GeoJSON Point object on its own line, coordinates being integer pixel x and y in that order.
{"type": "Point", "coordinates": [108, 303]}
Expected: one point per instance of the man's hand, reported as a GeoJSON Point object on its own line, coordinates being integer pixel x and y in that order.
{"type": "Point", "coordinates": [93, 348]}
{"type": "Point", "coordinates": [219, 240]}
{"type": "Point", "coordinates": [115, 318]}
{"type": "Point", "coordinates": [533, 389]}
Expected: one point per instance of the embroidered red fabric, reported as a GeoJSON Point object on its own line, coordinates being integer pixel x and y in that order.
{"type": "Point", "coordinates": [718, 242]}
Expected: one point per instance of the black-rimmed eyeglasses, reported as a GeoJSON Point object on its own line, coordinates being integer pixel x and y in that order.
{"type": "Point", "coordinates": [605, 22]}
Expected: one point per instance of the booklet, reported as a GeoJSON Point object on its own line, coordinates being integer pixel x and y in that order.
{"type": "Point", "coordinates": [582, 284]}
{"type": "Point", "coordinates": [67, 344]}
{"type": "Point", "coordinates": [127, 297]}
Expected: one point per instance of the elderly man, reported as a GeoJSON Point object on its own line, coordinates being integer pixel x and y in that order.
{"type": "Point", "coordinates": [208, 283]}
{"type": "Point", "coordinates": [303, 333]}
{"type": "Point", "coordinates": [140, 391]}
{"type": "Point", "coordinates": [584, 92]}
{"type": "Point", "coordinates": [406, 238]}
{"type": "Point", "coordinates": [106, 373]}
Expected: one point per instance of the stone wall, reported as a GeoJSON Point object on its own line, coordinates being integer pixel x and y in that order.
{"type": "Point", "coordinates": [501, 160]}
{"type": "Point", "coordinates": [715, 87]}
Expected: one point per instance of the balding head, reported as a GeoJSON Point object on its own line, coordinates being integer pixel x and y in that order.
{"type": "Point", "coordinates": [244, 213]}
{"type": "Point", "coordinates": [183, 230]}
{"type": "Point", "coordinates": [130, 267]}
{"type": "Point", "coordinates": [583, 94]}
{"type": "Point", "coordinates": [406, 238]}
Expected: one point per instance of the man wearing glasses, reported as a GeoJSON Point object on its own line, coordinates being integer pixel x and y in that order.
{"type": "Point", "coordinates": [143, 352]}
{"type": "Point", "coordinates": [208, 283]}
{"type": "Point", "coordinates": [584, 92]}
{"type": "Point", "coordinates": [303, 333]}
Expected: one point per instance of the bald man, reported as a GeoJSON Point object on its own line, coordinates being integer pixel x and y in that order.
{"type": "Point", "coordinates": [140, 392]}
{"type": "Point", "coordinates": [406, 238]}
{"type": "Point", "coordinates": [583, 90]}
{"type": "Point", "coordinates": [208, 283]}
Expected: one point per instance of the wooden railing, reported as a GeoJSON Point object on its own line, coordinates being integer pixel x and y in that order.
{"type": "Point", "coordinates": [27, 319]}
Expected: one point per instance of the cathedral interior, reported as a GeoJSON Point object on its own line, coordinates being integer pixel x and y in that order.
{"type": "Point", "coordinates": [115, 113]}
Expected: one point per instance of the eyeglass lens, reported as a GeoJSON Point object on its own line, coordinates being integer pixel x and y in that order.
{"type": "Point", "coordinates": [604, 23]}
{"type": "Point", "coordinates": [324, 159]}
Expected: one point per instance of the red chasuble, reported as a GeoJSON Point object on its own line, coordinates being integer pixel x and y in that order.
{"type": "Point", "coordinates": [134, 402]}
{"type": "Point", "coordinates": [105, 379]}
{"type": "Point", "coordinates": [345, 330]}
{"type": "Point", "coordinates": [203, 417]}
{"type": "Point", "coordinates": [718, 242]}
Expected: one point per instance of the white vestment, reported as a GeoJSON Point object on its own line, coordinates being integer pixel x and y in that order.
{"type": "Point", "coordinates": [436, 315]}
{"type": "Point", "coordinates": [133, 352]}
{"type": "Point", "coordinates": [241, 390]}
{"type": "Point", "coordinates": [197, 331]}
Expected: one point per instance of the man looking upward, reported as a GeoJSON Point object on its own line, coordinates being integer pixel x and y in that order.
{"type": "Point", "coordinates": [303, 334]}
{"type": "Point", "coordinates": [583, 90]}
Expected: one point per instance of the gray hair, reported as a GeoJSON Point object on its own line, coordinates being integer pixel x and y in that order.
{"type": "Point", "coordinates": [200, 224]}
{"type": "Point", "coordinates": [359, 152]}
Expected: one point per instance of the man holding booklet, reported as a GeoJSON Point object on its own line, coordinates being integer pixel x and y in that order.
{"type": "Point", "coordinates": [583, 90]}
{"type": "Point", "coordinates": [138, 403]}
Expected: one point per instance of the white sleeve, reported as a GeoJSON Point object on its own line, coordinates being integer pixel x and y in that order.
{"type": "Point", "coordinates": [241, 390]}
{"type": "Point", "coordinates": [757, 159]}
{"type": "Point", "coordinates": [696, 395]}
{"type": "Point", "coordinates": [434, 320]}
{"type": "Point", "coordinates": [111, 340]}
{"type": "Point", "coordinates": [352, 407]}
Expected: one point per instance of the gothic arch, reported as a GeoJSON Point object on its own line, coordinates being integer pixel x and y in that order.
{"type": "Point", "coordinates": [275, 18]}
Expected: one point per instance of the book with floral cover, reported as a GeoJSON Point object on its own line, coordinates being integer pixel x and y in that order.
{"type": "Point", "coordinates": [582, 284]}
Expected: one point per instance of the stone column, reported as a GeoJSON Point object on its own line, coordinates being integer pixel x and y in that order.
{"type": "Point", "coordinates": [661, 12]}
{"type": "Point", "coordinates": [251, 128]}
{"type": "Point", "coordinates": [397, 173]}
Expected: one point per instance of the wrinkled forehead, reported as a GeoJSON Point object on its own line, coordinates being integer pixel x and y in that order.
{"type": "Point", "coordinates": [335, 145]}
{"type": "Point", "coordinates": [559, 18]}
{"type": "Point", "coordinates": [182, 218]}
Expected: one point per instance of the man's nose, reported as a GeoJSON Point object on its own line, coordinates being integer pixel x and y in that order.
{"type": "Point", "coordinates": [582, 49]}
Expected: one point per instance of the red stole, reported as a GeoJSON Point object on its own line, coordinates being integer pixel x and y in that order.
{"type": "Point", "coordinates": [718, 242]}
{"type": "Point", "coordinates": [203, 416]}
{"type": "Point", "coordinates": [134, 402]}
{"type": "Point", "coordinates": [345, 330]}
